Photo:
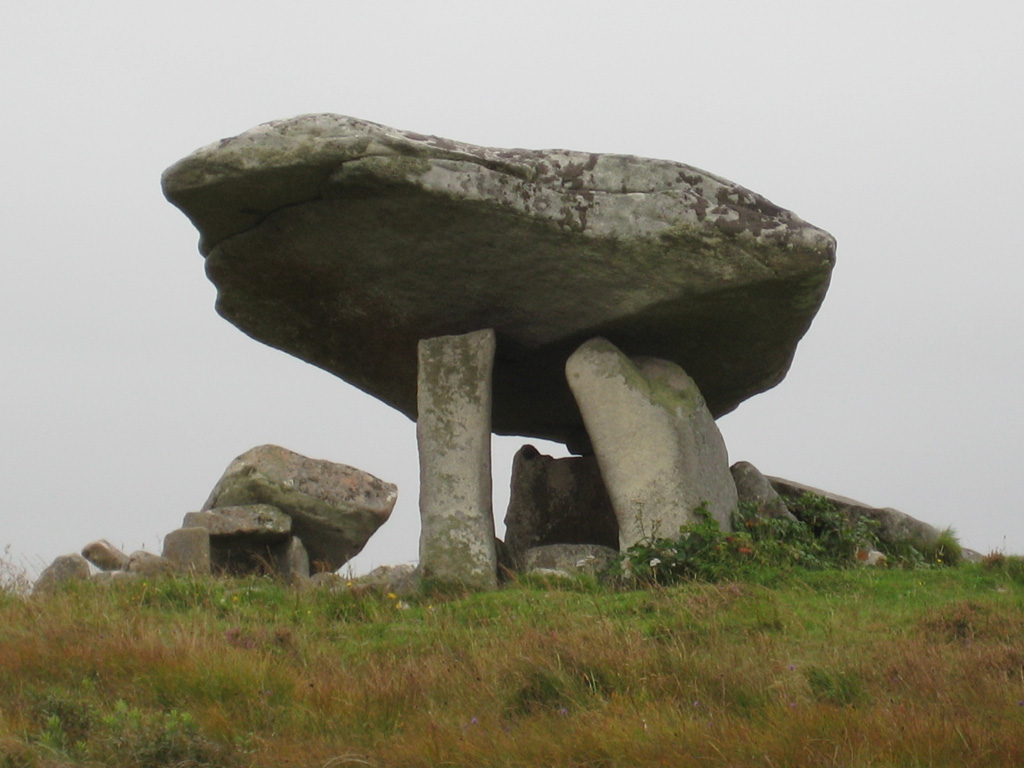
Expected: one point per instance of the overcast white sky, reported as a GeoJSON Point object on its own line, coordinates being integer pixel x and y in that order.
{"type": "Point", "coordinates": [896, 126]}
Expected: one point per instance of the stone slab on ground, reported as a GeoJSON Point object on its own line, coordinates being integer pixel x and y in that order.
{"type": "Point", "coordinates": [591, 559]}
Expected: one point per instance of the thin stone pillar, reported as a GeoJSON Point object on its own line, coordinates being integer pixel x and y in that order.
{"type": "Point", "coordinates": [453, 432]}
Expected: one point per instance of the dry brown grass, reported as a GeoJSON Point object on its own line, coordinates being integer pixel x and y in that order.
{"type": "Point", "coordinates": [861, 669]}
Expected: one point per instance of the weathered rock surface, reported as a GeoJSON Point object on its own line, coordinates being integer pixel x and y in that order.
{"type": "Point", "coordinates": [62, 570]}
{"type": "Point", "coordinates": [398, 579]}
{"type": "Point", "coordinates": [753, 487]}
{"type": "Point", "coordinates": [453, 435]}
{"type": "Point", "coordinates": [591, 559]}
{"type": "Point", "coordinates": [258, 521]}
{"type": "Point", "coordinates": [254, 538]}
{"type": "Point", "coordinates": [294, 563]}
{"type": "Point", "coordinates": [105, 555]}
{"type": "Point", "coordinates": [189, 550]}
{"type": "Point", "coordinates": [143, 563]}
{"type": "Point", "coordinates": [893, 526]}
{"type": "Point", "coordinates": [557, 501]}
{"type": "Point", "coordinates": [345, 242]}
{"type": "Point", "coordinates": [333, 508]}
{"type": "Point", "coordinates": [660, 452]}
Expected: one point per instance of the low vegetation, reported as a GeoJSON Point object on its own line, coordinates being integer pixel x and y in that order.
{"type": "Point", "coordinates": [786, 661]}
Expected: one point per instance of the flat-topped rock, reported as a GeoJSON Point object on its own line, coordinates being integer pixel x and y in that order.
{"type": "Point", "coordinates": [345, 242]}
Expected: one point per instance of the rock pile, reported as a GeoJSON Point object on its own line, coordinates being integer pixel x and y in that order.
{"type": "Point", "coordinates": [272, 512]}
{"type": "Point", "coordinates": [333, 509]}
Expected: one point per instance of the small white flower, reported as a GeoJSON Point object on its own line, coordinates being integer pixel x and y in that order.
{"type": "Point", "coordinates": [655, 562]}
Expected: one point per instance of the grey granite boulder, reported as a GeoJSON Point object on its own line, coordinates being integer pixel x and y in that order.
{"type": "Point", "coordinates": [105, 555]}
{"type": "Point", "coordinates": [148, 564]}
{"type": "Point", "coordinates": [62, 570]}
{"type": "Point", "coordinates": [659, 449]}
{"type": "Point", "coordinates": [345, 242]}
{"type": "Point", "coordinates": [557, 501]}
{"type": "Point", "coordinates": [333, 508]}
{"type": "Point", "coordinates": [755, 488]}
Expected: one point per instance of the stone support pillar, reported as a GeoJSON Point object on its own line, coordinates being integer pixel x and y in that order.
{"type": "Point", "coordinates": [453, 432]}
{"type": "Point", "coordinates": [660, 452]}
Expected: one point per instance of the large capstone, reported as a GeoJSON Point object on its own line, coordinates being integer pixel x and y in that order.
{"type": "Point", "coordinates": [345, 242]}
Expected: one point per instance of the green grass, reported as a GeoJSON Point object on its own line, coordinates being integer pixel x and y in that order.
{"type": "Point", "coordinates": [854, 667]}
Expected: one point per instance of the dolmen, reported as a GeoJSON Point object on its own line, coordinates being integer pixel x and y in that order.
{"type": "Point", "coordinates": [614, 303]}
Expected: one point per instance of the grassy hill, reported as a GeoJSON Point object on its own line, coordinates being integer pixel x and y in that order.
{"type": "Point", "coordinates": [790, 667]}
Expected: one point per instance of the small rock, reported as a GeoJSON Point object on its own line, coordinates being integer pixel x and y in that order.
{"type": "Point", "coordinates": [62, 570]}
{"type": "Point", "coordinates": [147, 564]}
{"type": "Point", "coordinates": [591, 559]}
{"type": "Point", "coordinates": [752, 486]}
{"type": "Point", "coordinates": [400, 579]}
{"type": "Point", "coordinates": [105, 556]}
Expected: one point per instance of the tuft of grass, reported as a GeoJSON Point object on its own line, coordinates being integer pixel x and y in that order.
{"type": "Point", "coordinates": [1010, 566]}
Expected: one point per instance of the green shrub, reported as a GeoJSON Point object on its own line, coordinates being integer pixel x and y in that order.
{"type": "Point", "coordinates": [833, 534]}
{"type": "Point", "coordinates": [1011, 566]}
{"type": "Point", "coordinates": [701, 551]}
{"type": "Point", "coordinates": [945, 551]}
{"type": "Point", "coordinates": [157, 739]}
{"type": "Point", "coordinates": [819, 537]}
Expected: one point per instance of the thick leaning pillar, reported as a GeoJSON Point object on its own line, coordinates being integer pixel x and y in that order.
{"type": "Point", "coordinates": [453, 433]}
{"type": "Point", "coordinates": [660, 452]}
